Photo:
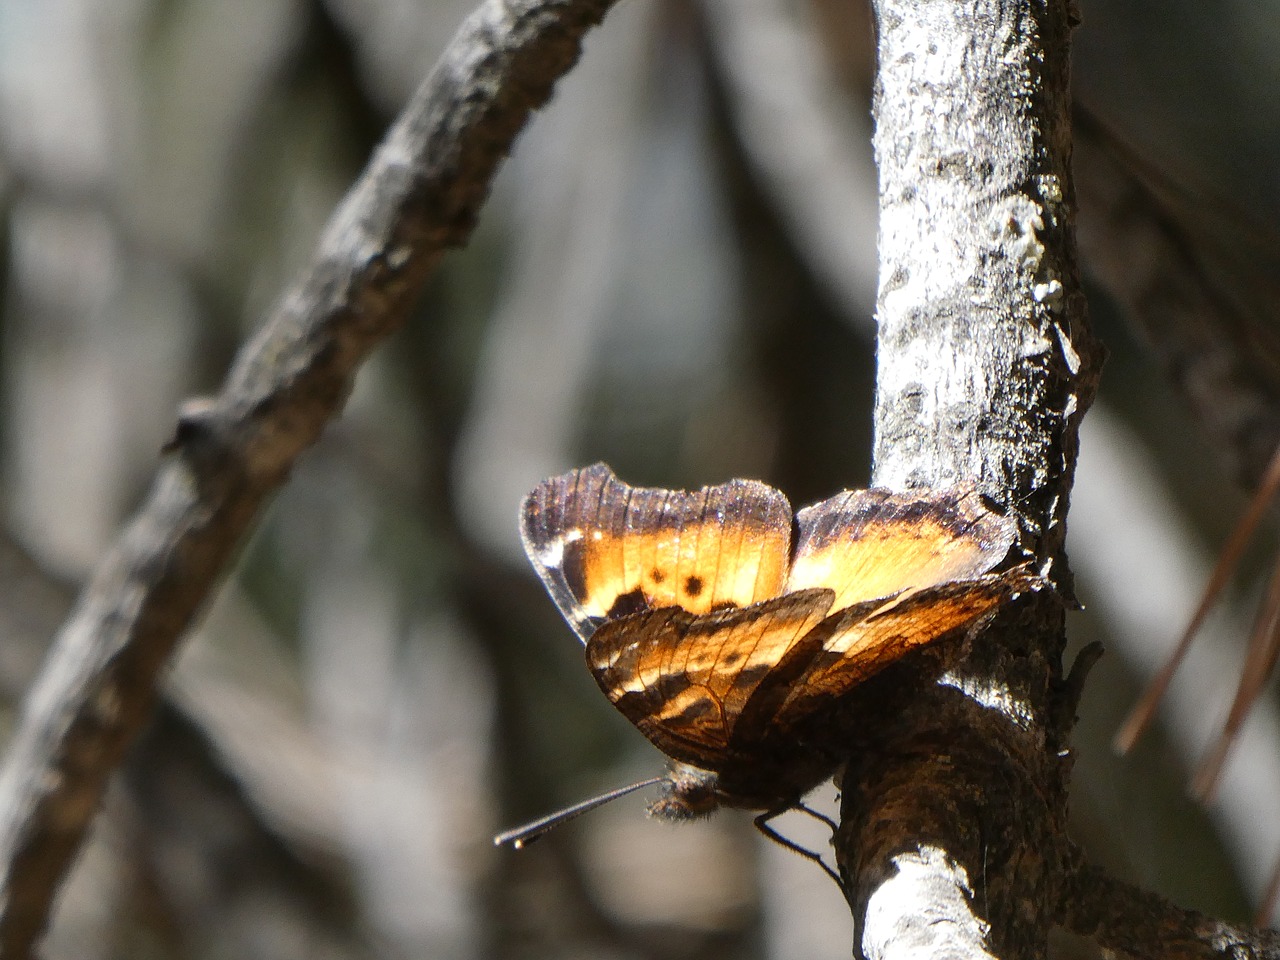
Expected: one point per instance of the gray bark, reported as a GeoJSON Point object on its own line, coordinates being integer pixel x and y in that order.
{"type": "Point", "coordinates": [952, 826]}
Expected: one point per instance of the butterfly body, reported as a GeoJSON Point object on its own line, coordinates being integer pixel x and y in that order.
{"type": "Point", "coordinates": [725, 629]}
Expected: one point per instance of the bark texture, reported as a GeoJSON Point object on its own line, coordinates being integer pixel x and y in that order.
{"type": "Point", "coordinates": [950, 839]}
{"type": "Point", "coordinates": [419, 196]}
{"type": "Point", "coordinates": [1136, 922]}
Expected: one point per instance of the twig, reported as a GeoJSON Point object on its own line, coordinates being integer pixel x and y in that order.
{"type": "Point", "coordinates": [1119, 916]}
{"type": "Point", "coordinates": [1140, 717]}
{"type": "Point", "coordinates": [419, 196]}
{"type": "Point", "coordinates": [1259, 663]}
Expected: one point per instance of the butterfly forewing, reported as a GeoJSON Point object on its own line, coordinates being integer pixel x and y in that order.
{"type": "Point", "coordinates": [865, 544]}
{"type": "Point", "coordinates": [552, 526]}
{"type": "Point", "coordinates": [684, 678]}
{"type": "Point", "coordinates": [606, 549]}
{"type": "Point", "coordinates": [718, 547]}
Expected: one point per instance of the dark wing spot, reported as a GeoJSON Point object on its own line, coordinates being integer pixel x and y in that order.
{"type": "Point", "coordinates": [656, 575]}
{"type": "Point", "coordinates": [732, 658]}
{"type": "Point", "coordinates": [724, 605]}
{"type": "Point", "coordinates": [572, 568]}
{"type": "Point", "coordinates": [693, 586]}
{"type": "Point", "coordinates": [627, 603]}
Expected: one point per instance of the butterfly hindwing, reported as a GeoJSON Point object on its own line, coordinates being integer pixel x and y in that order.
{"type": "Point", "coordinates": [852, 645]}
{"type": "Point", "coordinates": [605, 549]}
{"type": "Point", "coordinates": [866, 544]}
{"type": "Point", "coordinates": [685, 678]}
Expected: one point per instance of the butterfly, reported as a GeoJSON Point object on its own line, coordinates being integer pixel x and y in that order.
{"type": "Point", "coordinates": [724, 628]}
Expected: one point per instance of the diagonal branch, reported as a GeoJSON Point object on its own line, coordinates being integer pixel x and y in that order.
{"type": "Point", "coordinates": [419, 196]}
{"type": "Point", "coordinates": [1121, 917]}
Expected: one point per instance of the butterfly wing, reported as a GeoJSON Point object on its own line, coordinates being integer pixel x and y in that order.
{"type": "Point", "coordinates": [867, 544]}
{"type": "Point", "coordinates": [852, 645]}
{"type": "Point", "coordinates": [704, 632]}
{"type": "Point", "coordinates": [606, 549]}
{"type": "Point", "coordinates": [684, 679]}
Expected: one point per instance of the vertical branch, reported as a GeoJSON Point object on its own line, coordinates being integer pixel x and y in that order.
{"type": "Point", "coordinates": [986, 365]}
{"type": "Point", "coordinates": [985, 361]}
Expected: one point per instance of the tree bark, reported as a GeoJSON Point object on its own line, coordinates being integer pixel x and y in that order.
{"type": "Point", "coordinates": [952, 828]}
{"type": "Point", "coordinates": [1121, 917]}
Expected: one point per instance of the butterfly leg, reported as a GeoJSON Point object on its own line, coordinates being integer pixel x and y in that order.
{"type": "Point", "coordinates": [823, 818]}
{"type": "Point", "coordinates": [762, 824]}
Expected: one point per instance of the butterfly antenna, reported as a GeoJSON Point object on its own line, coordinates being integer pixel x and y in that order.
{"type": "Point", "coordinates": [523, 836]}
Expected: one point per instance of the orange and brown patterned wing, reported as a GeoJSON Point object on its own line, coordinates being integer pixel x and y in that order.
{"type": "Point", "coordinates": [605, 549]}
{"type": "Point", "coordinates": [683, 679]}
{"type": "Point", "coordinates": [854, 644]}
{"type": "Point", "coordinates": [867, 544]}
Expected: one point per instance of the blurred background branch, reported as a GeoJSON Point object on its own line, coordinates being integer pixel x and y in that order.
{"type": "Point", "coordinates": [1201, 287]}
{"type": "Point", "coordinates": [419, 195]}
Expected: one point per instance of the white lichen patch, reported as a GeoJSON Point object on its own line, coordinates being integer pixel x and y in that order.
{"type": "Point", "coordinates": [925, 909]}
{"type": "Point", "coordinates": [1050, 188]}
{"type": "Point", "coordinates": [993, 696]}
{"type": "Point", "coordinates": [1050, 292]}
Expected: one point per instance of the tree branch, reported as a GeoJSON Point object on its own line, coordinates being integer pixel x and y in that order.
{"type": "Point", "coordinates": [1119, 916]}
{"type": "Point", "coordinates": [986, 365]}
{"type": "Point", "coordinates": [419, 196]}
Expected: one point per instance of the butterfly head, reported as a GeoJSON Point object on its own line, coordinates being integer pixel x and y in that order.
{"type": "Point", "coordinates": [687, 794]}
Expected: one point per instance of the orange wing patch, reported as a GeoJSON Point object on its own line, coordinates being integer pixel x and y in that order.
{"type": "Point", "coordinates": [605, 549]}
{"type": "Point", "coordinates": [721, 546]}
{"type": "Point", "coordinates": [866, 544]}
